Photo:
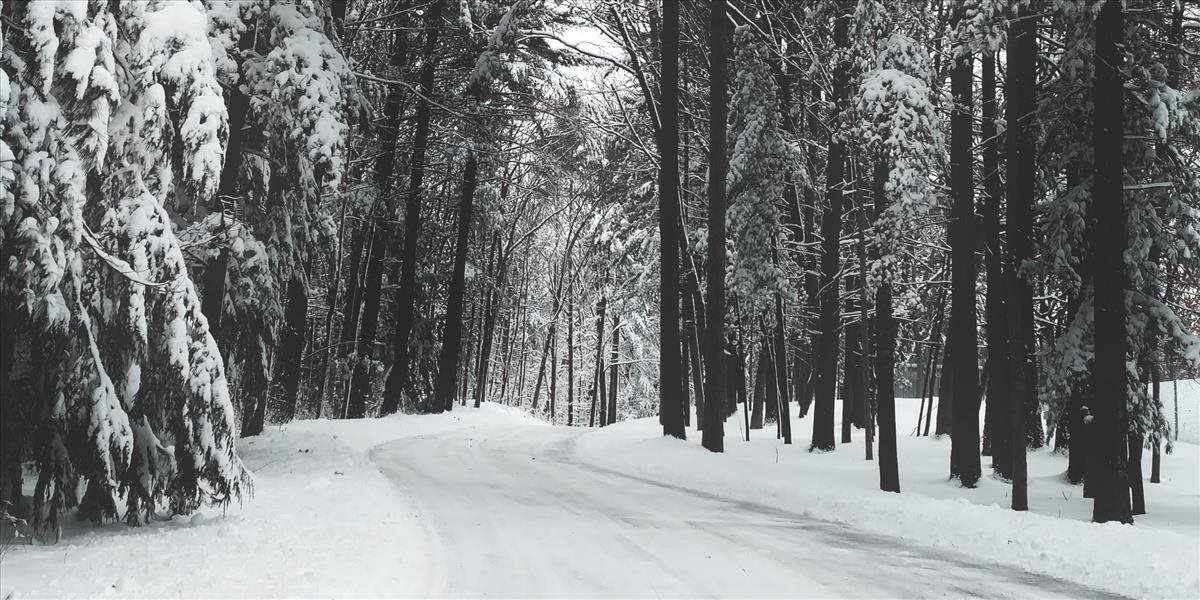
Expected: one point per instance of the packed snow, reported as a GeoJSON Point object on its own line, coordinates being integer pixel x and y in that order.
{"type": "Point", "coordinates": [323, 522]}
{"type": "Point", "coordinates": [1156, 558]}
{"type": "Point", "coordinates": [494, 502]}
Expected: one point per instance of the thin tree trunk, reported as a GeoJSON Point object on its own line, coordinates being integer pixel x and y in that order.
{"type": "Point", "coordinates": [612, 369]}
{"type": "Point", "coordinates": [570, 356]}
{"type": "Point", "coordinates": [553, 371]}
{"type": "Point", "coordinates": [448, 356]}
{"type": "Point", "coordinates": [496, 270]}
{"type": "Point", "coordinates": [598, 376]}
{"type": "Point", "coordinates": [779, 359]}
{"type": "Point", "coordinates": [760, 391]}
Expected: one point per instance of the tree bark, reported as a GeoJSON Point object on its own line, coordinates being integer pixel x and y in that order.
{"type": "Point", "coordinates": [964, 448]}
{"type": "Point", "coordinates": [1111, 238]}
{"type": "Point", "coordinates": [291, 346]}
{"type": "Point", "coordinates": [443, 397]}
{"type": "Point", "coordinates": [831, 231]}
{"type": "Point", "coordinates": [356, 401]}
{"type": "Point", "coordinates": [495, 272]}
{"type": "Point", "coordinates": [598, 376]}
{"type": "Point", "coordinates": [670, 370]}
{"type": "Point", "coordinates": [407, 293]}
{"type": "Point", "coordinates": [612, 369]}
{"type": "Point", "coordinates": [885, 361]}
{"type": "Point", "coordinates": [713, 437]}
{"type": "Point", "coordinates": [570, 356]}
{"type": "Point", "coordinates": [999, 390]}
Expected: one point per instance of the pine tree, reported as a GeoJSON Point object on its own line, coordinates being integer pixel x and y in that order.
{"type": "Point", "coordinates": [137, 406]}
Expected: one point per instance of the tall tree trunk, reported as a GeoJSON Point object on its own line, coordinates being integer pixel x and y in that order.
{"type": "Point", "coordinates": [407, 292]}
{"type": "Point", "coordinates": [443, 396]}
{"type": "Point", "coordinates": [570, 356]}
{"type": "Point", "coordinates": [1021, 112]}
{"type": "Point", "coordinates": [713, 437]}
{"type": "Point", "coordinates": [670, 369]}
{"type": "Point", "coordinates": [356, 400]}
{"type": "Point", "coordinates": [612, 369]}
{"type": "Point", "coordinates": [1109, 378]}
{"type": "Point", "coordinates": [964, 448]}
{"type": "Point", "coordinates": [831, 231]}
{"type": "Point", "coordinates": [999, 390]}
{"type": "Point", "coordinates": [885, 360]}
{"type": "Point", "coordinates": [553, 372]}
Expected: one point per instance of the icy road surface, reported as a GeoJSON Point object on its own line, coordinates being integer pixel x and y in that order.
{"type": "Point", "coordinates": [510, 512]}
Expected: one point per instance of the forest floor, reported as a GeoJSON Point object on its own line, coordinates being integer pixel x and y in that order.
{"type": "Point", "coordinates": [492, 502]}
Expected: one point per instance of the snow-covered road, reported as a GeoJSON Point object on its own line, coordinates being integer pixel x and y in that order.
{"type": "Point", "coordinates": [510, 511]}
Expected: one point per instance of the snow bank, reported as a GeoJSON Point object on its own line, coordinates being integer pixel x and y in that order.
{"type": "Point", "coordinates": [323, 522]}
{"type": "Point", "coordinates": [1156, 558]}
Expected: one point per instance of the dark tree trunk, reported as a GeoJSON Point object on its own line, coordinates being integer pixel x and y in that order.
{"type": "Point", "coordinates": [553, 373]}
{"type": "Point", "coordinates": [291, 347]}
{"type": "Point", "coordinates": [612, 369]}
{"type": "Point", "coordinates": [671, 400]}
{"type": "Point", "coordinates": [464, 369]}
{"type": "Point", "coordinates": [768, 383]}
{"type": "Point", "coordinates": [964, 449]}
{"type": "Point", "coordinates": [213, 302]}
{"type": "Point", "coordinates": [1136, 489]}
{"type": "Point", "coordinates": [999, 390]}
{"type": "Point", "coordinates": [779, 366]}
{"type": "Point", "coordinates": [496, 271]}
{"type": "Point", "coordinates": [831, 231]}
{"type": "Point", "coordinates": [570, 357]}
{"type": "Point", "coordinates": [760, 391]}
{"type": "Point", "coordinates": [945, 387]}
{"type": "Point", "coordinates": [443, 397]}
{"type": "Point", "coordinates": [1109, 378]}
{"type": "Point", "coordinates": [713, 437]}
{"type": "Point", "coordinates": [851, 371]}
{"type": "Point", "coordinates": [407, 292]}
{"type": "Point", "coordinates": [353, 302]}
{"type": "Point", "coordinates": [598, 376]}
{"type": "Point", "coordinates": [885, 360]}
{"type": "Point", "coordinates": [360, 383]}
{"type": "Point", "coordinates": [1155, 456]}
{"type": "Point", "coordinates": [1025, 429]}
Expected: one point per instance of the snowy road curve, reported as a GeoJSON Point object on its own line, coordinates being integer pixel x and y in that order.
{"type": "Point", "coordinates": [510, 512]}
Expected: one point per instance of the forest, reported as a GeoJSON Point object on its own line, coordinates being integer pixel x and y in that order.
{"type": "Point", "coordinates": [219, 217]}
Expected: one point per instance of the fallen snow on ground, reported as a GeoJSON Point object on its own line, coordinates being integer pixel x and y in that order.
{"type": "Point", "coordinates": [323, 522]}
{"type": "Point", "coordinates": [1156, 558]}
